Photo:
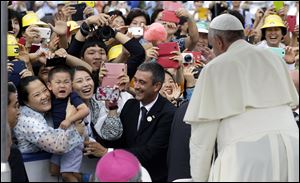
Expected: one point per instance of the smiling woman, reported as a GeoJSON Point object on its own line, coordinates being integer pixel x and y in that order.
{"type": "Point", "coordinates": [32, 131]}
{"type": "Point", "coordinates": [101, 117]}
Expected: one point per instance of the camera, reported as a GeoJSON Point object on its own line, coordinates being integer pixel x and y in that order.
{"type": "Point", "coordinates": [104, 33]}
{"type": "Point", "coordinates": [188, 58]}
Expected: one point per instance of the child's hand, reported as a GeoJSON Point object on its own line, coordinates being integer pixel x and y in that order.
{"type": "Point", "coordinates": [65, 124]}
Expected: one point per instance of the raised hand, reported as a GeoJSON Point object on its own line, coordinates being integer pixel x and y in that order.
{"type": "Point", "coordinates": [60, 28]}
{"type": "Point", "coordinates": [124, 81]}
{"type": "Point", "coordinates": [151, 53]}
{"type": "Point", "coordinates": [290, 55]}
{"type": "Point", "coordinates": [25, 73]}
{"type": "Point", "coordinates": [94, 148]}
{"type": "Point", "coordinates": [61, 53]}
{"type": "Point", "coordinates": [102, 73]}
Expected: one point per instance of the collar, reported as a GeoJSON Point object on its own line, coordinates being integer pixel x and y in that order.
{"type": "Point", "coordinates": [149, 106]}
{"type": "Point", "coordinates": [237, 44]}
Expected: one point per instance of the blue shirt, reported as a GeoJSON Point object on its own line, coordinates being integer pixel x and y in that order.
{"type": "Point", "coordinates": [59, 107]}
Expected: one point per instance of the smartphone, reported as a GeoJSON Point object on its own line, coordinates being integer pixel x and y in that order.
{"type": "Point", "coordinates": [45, 33]}
{"type": "Point", "coordinates": [136, 31]}
{"type": "Point", "coordinates": [79, 11]}
{"type": "Point", "coordinates": [167, 48]}
{"type": "Point", "coordinates": [14, 76]}
{"type": "Point", "coordinates": [203, 13]}
{"type": "Point", "coordinates": [279, 51]}
{"type": "Point", "coordinates": [170, 16]}
{"type": "Point", "coordinates": [166, 63]}
{"type": "Point", "coordinates": [113, 72]}
{"type": "Point", "coordinates": [55, 61]}
{"type": "Point", "coordinates": [88, 3]}
{"type": "Point", "coordinates": [278, 5]}
{"type": "Point", "coordinates": [107, 94]}
{"type": "Point", "coordinates": [291, 20]}
{"type": "Point", "coordinates": [34, 48]}
{"type": "Point", "coordinates": [164, 54]}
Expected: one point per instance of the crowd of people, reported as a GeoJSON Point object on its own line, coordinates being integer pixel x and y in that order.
{"type": "Point", "coordinates": [182, 90]}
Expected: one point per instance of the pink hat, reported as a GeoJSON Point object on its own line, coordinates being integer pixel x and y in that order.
{"type": "Point", "coordinates": [156, 32]}
{"type": "Point", "coordinates": [117, 166]}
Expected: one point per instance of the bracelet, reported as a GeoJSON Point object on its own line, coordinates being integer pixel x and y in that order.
{"type": "Point", "coordinates": [85, 29]}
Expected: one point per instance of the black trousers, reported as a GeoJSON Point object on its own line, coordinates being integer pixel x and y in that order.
{"type": "Point", "coordinates": [18, 171]}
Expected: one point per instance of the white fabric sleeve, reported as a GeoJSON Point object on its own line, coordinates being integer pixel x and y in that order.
{"type": "Point", "coordinates": [202, 142]}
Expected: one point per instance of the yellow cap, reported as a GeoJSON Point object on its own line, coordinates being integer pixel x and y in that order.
{"type": "Point", "coordinates": [114, 52]}
{"type": "Point", "coordinates": [32, 18]}
{"type": "Point", "coordinates": [273, 21]}
{"type": "Point", "coordinates": [12, 46]}
{"type": "Point", "coordinates": [88, 3]}
{"type": "Point", "coordinates": [73, 25]}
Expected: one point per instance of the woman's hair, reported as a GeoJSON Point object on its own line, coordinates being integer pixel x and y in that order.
{"type": "Point", "coordinates": [136, 12]}
{"type": "Point", "coordinates": [14, 14]}
{"type": "Point", "coordinates": [80, 68]}
{"type": "Point", "coordinates": [118, 13]}
{"type": "Point", "coordinates": [24, 82]}
{"type": "Point", "coordinates": [11, 90]}
{"type": "Point", "coordinates": [155, 14]}
{"type": "Point", "coordinates": [106, 5]}
{"type": "Point", "coordinates": [168, 73]}
{"type": "Point", "coordinates": [93, 41]}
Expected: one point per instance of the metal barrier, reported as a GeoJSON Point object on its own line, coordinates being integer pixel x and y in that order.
{"type": "Point", "coordinates": [5, 170]}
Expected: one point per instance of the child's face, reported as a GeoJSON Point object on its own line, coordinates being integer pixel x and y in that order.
{"type": "Point", "coordinates": [60, 85]}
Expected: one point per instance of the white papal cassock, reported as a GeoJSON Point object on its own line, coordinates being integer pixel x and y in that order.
{"type": "Point", "coordinates": [243, 100]}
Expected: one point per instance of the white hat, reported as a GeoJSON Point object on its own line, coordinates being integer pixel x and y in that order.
{"type": "Point", "coordinates": [226, 22]}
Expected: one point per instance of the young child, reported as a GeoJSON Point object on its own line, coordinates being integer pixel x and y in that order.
{"type": "Point", "coordinates": [60, 84]}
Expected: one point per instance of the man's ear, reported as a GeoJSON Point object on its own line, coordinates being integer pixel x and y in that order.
{"type": "Point", "coordinates": [220, 43]}
{"type": "Point", "coordinates": [157, 87]}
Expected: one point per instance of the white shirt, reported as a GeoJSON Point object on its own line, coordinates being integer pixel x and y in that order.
{"type": "Point", "coordinates": [148, 107]}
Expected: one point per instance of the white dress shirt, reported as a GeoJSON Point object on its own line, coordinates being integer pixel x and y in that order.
{"type": "Point", "coordinates": [148, 107]}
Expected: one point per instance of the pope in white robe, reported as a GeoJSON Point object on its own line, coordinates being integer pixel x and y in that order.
{"type": "Point", "coordinates": [243, 100]}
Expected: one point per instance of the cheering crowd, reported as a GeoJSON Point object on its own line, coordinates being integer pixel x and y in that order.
{"type": "Point", "coordinates": [178, 90]}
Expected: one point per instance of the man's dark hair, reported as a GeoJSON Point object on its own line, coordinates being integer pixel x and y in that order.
{"type": "Point", "coordinates": [136, 12]}
{"type": "Point", "coordinates": [93, 41]}
{"type": "Point", "coordinates": [11, 90]}
{"type": "Point", "coordinates": [59, 69]}
{"type": "Point", "coordinates": [24, 82]}
{"type": "Point", "coordinates": [158, 72]}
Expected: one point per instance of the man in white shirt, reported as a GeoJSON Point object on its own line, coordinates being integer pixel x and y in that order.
{"type": "Point", "coordinates": [146, 121]}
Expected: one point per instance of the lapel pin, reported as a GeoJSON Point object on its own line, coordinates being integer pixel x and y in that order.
{"type": "Point", "coordinates": [149, 119]}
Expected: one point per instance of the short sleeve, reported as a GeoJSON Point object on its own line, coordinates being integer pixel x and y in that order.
{"type": "Point", "coordinates": [75, 99]}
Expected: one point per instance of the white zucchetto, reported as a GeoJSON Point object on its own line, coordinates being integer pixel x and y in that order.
{"type": "Point", "coordinates": [226, 22]}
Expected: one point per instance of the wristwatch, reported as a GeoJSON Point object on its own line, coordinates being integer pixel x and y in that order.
{"type": "Point", "coordinates": [85, 29]}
